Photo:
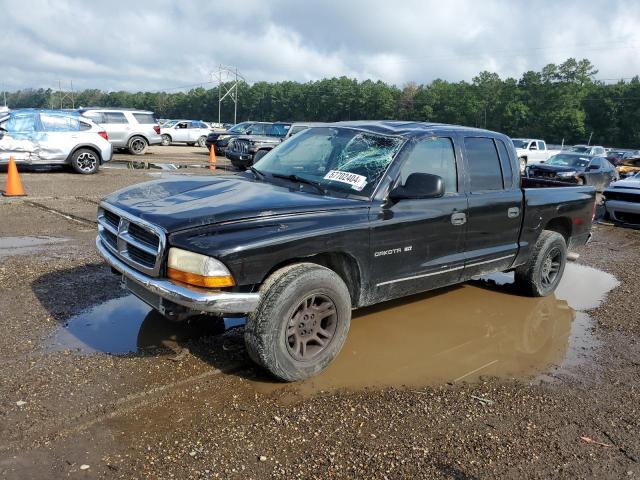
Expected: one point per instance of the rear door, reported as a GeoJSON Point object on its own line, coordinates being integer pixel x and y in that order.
{"type": "Point", "coordinates": [418, 244]}
{"type": "Point", "coordinates": [494, 206]}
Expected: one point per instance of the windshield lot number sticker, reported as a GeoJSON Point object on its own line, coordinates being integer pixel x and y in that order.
{"type": "Point", "coordinates": [357, 182]}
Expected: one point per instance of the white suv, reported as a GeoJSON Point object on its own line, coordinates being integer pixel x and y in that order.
{"type": "Point", "coordinates": [130, 129]}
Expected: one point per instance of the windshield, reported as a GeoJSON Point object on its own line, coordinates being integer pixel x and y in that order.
{"type": "Point", "coordinates": [240, 127]}
{"type": "Point", "coordinates": [580, 149]}
{"type": "Point", "coordinates": [336, 158]}
{"type": "Point", "coordinates": [519, 143]}
{"type": "Point", "coordinates": [565, 160]}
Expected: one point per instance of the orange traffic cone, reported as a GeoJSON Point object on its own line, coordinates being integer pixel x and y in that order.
{"type": "Point", "coordinates": [14, 185]}
{"type": "Point", "coordinates": [212, 158]}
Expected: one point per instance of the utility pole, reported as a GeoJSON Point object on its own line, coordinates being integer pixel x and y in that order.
{"type": "Point", "coordinates": [225, 75]}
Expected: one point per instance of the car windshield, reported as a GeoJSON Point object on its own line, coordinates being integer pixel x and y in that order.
{"type": "Point", "coordinates": [565, 160]}
{"type": "Point", "coordinates": [580, 149]}
{"type": "Point", "coordinates": [240, 127]}
{"type": "Point", "coordinates": [334, 158]}
{"type": "Point", "coordinates": [519, 143]}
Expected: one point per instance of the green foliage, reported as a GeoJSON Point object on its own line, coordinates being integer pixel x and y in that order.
{"type": "Point", "coordinates": [561, 102]}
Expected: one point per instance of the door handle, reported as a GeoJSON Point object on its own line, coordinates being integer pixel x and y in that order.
{"type": "Point", "coordinates": [513, 212]}
{"type": "Point", "coordinates": [458, 218]}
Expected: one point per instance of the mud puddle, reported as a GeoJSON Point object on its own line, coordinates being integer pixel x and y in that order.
{"type": "Point", "coordinates": [481, 328]}
{"type": "Point", "coordinates": [127, 325]}
{"type": "Point", "coordinates": [26, 245]}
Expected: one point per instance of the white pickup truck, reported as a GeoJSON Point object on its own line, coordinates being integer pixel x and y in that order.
{"type": "Point", "coordinates": [531, 151]}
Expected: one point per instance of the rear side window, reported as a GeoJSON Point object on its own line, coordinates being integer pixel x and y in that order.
{"type": "Point", "coordinates": [434, 156]}
{"type": "Point", "coordinates": [114, 117]}
{"type": "Point", "coordinates": [145, 118]}
{"type": "Point", "coordinates": [505, 161]}
{"type": "Point", "coordinates": [483, 163]}
{"type": "Point", "coordinates": [58, 123]}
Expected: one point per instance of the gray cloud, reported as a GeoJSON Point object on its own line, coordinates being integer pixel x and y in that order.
{"type": "Point", "coordinates": [153, 45]}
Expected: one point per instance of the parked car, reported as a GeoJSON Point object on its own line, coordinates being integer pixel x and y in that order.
{"type": "Point", "coordinates": [576, 168]}
{"type": "Point", "coordinates": [220, 140]}
{"type": "Point", "coordinates": [628, 167]}
{"type": "Point", "coordinates": [244, 150]}
{"type": "Point", "coordinates": [51, 137]}
{"type": "Point", "coordinates": [595, 150]}
{"type": "Point", "coordinates": [622, 200]}
{"type": "Point", "coordinates": [133, 130]}
{"type": "Point", "coordinates": [336, 218]}
{"type": "Point", "coordinates": [191, 132]}
{"type": "Point", "coordinates": [617, 156]}
{"type": "Point", "coordinates": [531, 151]}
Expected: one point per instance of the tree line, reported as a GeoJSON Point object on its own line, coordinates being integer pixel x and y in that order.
{"type": "Point", "coordinates": [561, 102]}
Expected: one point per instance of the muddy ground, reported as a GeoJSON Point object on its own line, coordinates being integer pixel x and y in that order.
{"type": "Point", "coordinates": [468, 382]}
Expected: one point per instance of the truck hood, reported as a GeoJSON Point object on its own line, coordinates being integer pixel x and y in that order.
{"type": "Point", "coordinates": [178, 203]}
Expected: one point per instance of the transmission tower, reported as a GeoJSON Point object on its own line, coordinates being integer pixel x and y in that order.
{"type": "Point", "coordinates": [228, 79]}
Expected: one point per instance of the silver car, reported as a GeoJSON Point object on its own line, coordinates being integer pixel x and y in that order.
{"type": "Point", "coordinates": [130, 129]}
{"type": "Point", "coordinates": [622, 200]}
{"type": "Point", "coordinates": [52, 137]}
{"type": "Point", "coordinates": [191, 132]}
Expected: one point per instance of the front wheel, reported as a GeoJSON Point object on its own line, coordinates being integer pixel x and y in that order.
{"type": "Point", "coordinates": [201, 142]}
{"type": "Point", "coordinates": [301, 323]}
{"type": "Point", "coordinates": [259, 154]}
{"type": "Point", "coordinates": [166, 140]}
{"type": "Point", "coordinates": [85, 161]}
{"type": "Point", "coordinates": [541, 275]}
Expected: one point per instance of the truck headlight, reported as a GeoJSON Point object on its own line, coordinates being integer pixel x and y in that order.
{"type": "Point", "coordinates": [196, 269]}
{"type": "Point", "coordinates": [567, 174]}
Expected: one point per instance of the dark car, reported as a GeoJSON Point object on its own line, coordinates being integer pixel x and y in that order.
{"type": "Point", "coordinates": [616, 157]}
{"type": "Point", "coordinates": [245, 150]}
{"type": "Point", "coordinates": [220, 140]}
{"type": "Point", "coordinates": [338, 218]}
{"type": "Point", "coordinates": [576, 168]}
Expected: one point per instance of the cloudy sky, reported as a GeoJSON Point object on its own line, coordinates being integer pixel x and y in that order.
{"type": "Point", "coordinates": [162, 45]}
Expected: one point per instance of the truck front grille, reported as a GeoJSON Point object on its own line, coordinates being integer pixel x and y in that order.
{"type": "Point", "coordinates": [240, 146]}
{"type": "Point", "coordinates": [623, 196]}
{"type": "Point", "coordinates": [134, 241]}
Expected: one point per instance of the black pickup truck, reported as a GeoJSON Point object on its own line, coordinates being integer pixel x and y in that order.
{"type": "Point", "coordinates": [336, 218]}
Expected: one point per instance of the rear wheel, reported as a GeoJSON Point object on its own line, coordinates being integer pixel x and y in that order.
{"type": "Point", "coordinates": [540, 276]}
{"type": "Point", "coordinates": [138, 146]}
{"type": "Point", "coordinates": [301, 323]}
{"type": "Point", "coordinates": [85, 161]}
{"type": "Point", "coordinates": [166, 140]}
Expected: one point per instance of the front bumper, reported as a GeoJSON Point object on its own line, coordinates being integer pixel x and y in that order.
{"type": "Point", "coordinates": [193, 298]}
{"type": "Point", "coordinates": [240, 159]}
{"type": "Point", "coordinates": [624, 212]}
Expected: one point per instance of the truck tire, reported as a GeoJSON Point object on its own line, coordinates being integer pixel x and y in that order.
{"type": "Point", "coordinates": [259, 154]}
{"type": "Point", "coordinates": [138, 145]}
{"type": "Point", "coordinates": [301, 322]}
{"type": "Point", "coordinates": [540, 276]}
{"type": "Point", "coordinates": [85, 161]}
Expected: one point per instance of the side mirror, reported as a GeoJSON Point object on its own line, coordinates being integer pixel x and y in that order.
{"type": "Point", "coordinates": [418, 186]}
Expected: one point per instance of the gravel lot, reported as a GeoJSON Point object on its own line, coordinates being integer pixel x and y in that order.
{"type": "Point", "coordinates": [185, 402]}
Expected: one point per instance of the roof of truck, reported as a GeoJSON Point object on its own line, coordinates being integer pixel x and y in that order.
{"type": "Point", "coordinates": [404, 128]}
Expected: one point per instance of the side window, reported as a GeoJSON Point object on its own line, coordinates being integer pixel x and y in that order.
{"type": "Point", "coordinates": [114, 117]}
{"type": "Point", "coordinates": [58, 123]}
{"type": "Point", "coordinates": [97, 117]}
{"type": "Point", "coordinates": [483, 164]}
{"type": "Point", "coordinates": [20, 123]}
{"type": "Point", "coordinates": [435, 156]}
{"type": "Point", "coordinates": [533, 146]}
{"type": "Point", "coordinates": [596, 162]}
{"type": "Point", "coordinates": [181, 125]}
{"type": "Point", "coordinates": [541, 146]}
{"type": "Point", "coordinates": [145, 118]}
{"type": "Point", "coordinates": [505, 163]}
{"type": "Point", "coordinates": [257, 129]}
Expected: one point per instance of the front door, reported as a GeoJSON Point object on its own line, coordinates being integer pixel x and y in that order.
{"type": "Point", "coordinates": [418, 244]}
{"type": "Point", "coordinates": [495, 206]}
{"type": "Point", "coordinates": [19, 140]}
{"type": "Point", "coordinates": [181, 132]}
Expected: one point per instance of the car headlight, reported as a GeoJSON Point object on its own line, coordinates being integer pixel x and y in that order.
{"type": "Point", "coordinates": [196, 269]}
{"type": "Point", "coordinates": [573, 173]}
{"type": "Point", "coordinates": [223, 137]}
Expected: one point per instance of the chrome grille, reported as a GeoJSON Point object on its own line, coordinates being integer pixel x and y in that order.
{"type": "Point", "coordinates": [134, 241]}
{"type": "Point", "coordinates": [240, 146]}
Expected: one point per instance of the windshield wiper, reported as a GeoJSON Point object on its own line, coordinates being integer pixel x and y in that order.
{"type": "Point", "coordinates": [296, 178]}
{"type": "Point", "coordinates": [257, 173]}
